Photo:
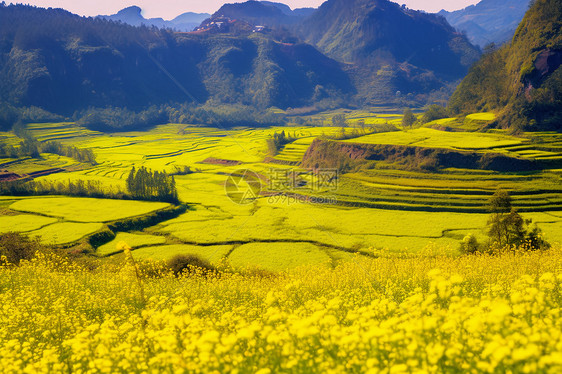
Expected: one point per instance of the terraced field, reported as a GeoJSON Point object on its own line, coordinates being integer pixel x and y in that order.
{"type": "Point", "coordinates": [86, 210]}
{"type": "Point", "coordinates": [67, 220]}
{"type": "Point", "coordinates": [383, 210]}
{"type": "Point", "coordinates": [431, 138]}
{"type": "Point", "coordinates": [44, 132]}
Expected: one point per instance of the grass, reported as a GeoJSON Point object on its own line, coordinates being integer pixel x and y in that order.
{"type": "Point", "coordinates": [65, 232]}
{"type": "Point", "coordinates": [277, 256]}
{"type": "Point", "coordinates": [23, 222]}
{"type": "Point", "coordinates": [133, 240]}
{"type": "Point", "coordinates": [86, 209]}
{"type": "Point", "coordinates": [213, 254]}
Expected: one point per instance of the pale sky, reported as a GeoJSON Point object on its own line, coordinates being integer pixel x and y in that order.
{"type": "Point", "coordinates": [169, 9]}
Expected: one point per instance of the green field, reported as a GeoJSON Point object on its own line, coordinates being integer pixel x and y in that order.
{"type": "Point", "coordinates": [277, 256]}
{"type": "Point", "coordinates": [382, 210]}
{"type": "Point", "coordinates": [23, 222]}
{"type": "Point", "coordinates": [212, 254]}
{"type": "Point", "coordinates": [133, 240]}
{"type": "Point", "coordinates": [85, 209]}
{"type": "Point", "coordinates": [65, 232]}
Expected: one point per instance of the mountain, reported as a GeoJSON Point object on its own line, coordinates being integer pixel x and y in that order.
{"type": "Point", "coordinates": [261, 13]}
{"type": "Point", "coordinates": [299, 12]}
{"type": "Point", "coordinates": [489, 21]}
{"type": "Point", "coordinates": [389, 49]}
{"type": "Point", "coordinates": [522, 80]}
{"type": "Point", "coordinates": [133, 16]}
{"type": "Point", "coordinates": [188, 21]}
{"type": "Point", "coordinates": [63, 63]}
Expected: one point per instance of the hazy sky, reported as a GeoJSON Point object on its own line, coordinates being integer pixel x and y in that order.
{"type": "Point", "coordinates": [169, 9]}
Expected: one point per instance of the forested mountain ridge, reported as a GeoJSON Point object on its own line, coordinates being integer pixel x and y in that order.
{"type": "Point", "coordinates": [522, 80]}
{"type": "Point", "coordinates": [62, 63]}
{"type": "Point", "coordinates": [489, 21]}
{"type": "Point", "coordinates": [390, 51]}
{"type": "Point", "coordinates": [357, 30]}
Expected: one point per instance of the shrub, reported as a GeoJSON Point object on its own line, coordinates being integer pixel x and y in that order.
{"type": "Point", "coordinates": [408, 119]}
{"type": "Point", "coordinates": [434, 112]}
{"type": "Point", "coordinates": [190, 264]}
{"type": "Point", "coordinates": [469, 245]}
{"type": "Point", "coordinates": [17, 247]}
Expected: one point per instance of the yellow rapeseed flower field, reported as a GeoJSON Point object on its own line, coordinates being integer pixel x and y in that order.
{"type": "Point", "coordinates": [471, 314]}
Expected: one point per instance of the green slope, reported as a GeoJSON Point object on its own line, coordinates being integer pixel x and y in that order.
{"type": "Point", "coordinates": [522, 80]}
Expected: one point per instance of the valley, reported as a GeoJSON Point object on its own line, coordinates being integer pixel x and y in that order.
{"type": "Point", "coordinates": [383, 207]}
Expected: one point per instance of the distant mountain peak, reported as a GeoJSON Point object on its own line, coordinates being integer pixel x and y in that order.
{"type": "Point", "coordinates": [489, 21]}
{"type": "Point", "coordinates": [264, 13]}
{"type": "Point", "coordinates": [131, 10]}
{"type": "Point", "coordinates": [133, 16]}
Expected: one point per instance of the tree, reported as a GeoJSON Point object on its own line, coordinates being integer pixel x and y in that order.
{"type": "Point", "coordinates": [500, 202]}
{"type": "Point", "coordinates": [506, 227]}
{"type": "Point", "coordinates": [339, 120]}
{"type": "Point", "coordinates": [361, 124]}
{"type": "Point", "coordinates": [434, 112]}
{"type": "Point", "coordinates": [408, 119]}
{"type": "Point", "coordinates": [8, 116]}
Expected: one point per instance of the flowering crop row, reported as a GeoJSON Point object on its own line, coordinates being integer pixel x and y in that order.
{"type": "Point", "coordinates": [412, 315]}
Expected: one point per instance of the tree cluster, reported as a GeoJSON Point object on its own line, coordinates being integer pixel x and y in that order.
{"type": "Point", "coordinates": [30, 147]}
{"type": "Point", "coordinates": [77, 188]}
{"type": "Point", "coordinates": [339, 120]}
{"type": "Point", "coordinates": [506, 229]}
{"type": "Point", "coordinates": [79, 154]}
{"type": "Point", "coordinates": [145, 184]}
{"type": "Point", "coordinates": [9, 115]}
{"type": "Point", "coordinates": [434, 112]}
{"type": "Point", "coordinates": [224, 115]}
{"type": "Point", "coordinates": [209, 114]}
{"type": "Point", "coordinates": [114, 118]}
{"type": "Point", "coordinates": [278, 141]}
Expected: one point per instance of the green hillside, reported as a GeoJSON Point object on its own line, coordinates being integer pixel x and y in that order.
{"type": "Point", "coordinates": [391, 48]}
{"type": "Point", "coordinates": [522, 81]}
{"type": "Point", "coordinates": [63, 63]}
